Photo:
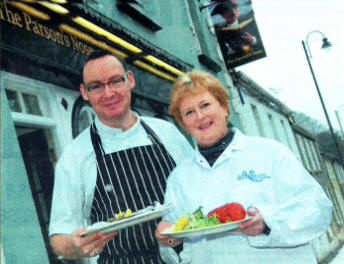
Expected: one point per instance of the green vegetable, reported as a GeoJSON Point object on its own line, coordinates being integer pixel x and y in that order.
{"type": "Point", "coordinates": [198, 220]}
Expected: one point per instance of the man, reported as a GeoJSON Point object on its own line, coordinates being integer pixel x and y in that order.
{"type": "Point", "coordinates": [233, 41]}
{"type": "Point", "coordinates": [120, 162]}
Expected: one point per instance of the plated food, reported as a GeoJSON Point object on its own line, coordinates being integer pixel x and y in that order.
{"type": "Point", "coordinates": [121, 215]}
{"type": "Point", "coordinates": [224, 218]}
{"type": "Point", "coordinates": [229, 212]}
{"type": "Point", "coordinates": [128, 219]}
{"type": "Point", "coordinates": [225, 214]}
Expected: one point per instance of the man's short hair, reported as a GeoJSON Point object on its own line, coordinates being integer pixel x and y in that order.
{"type": "Point", "coordinates": [96, 54]}
{"type": "Point", "coordinates": [99, 53]}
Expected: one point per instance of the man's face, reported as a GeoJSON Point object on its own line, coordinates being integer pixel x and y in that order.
{"type": "Point", "coordinates": [232, 15]}
{"type": "Point", "coordinates": [112, 105]}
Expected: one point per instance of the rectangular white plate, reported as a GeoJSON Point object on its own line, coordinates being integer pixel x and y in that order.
{"type": "Point", "coordinates": [138, 217]}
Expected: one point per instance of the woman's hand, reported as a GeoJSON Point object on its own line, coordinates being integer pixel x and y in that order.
{"type": "Point", "coordinates": [75, 246]}
{"type": "Point", "coordinates": [166, 240]}
{"type": "Point", "coordinates": [254, 226]}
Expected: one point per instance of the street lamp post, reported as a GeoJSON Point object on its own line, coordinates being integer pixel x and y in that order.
{"type": "Point", "coordinates": [326, 44]}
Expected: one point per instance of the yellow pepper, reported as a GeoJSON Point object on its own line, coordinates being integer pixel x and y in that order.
{"type": "Point", "coordinates": [180, 224]}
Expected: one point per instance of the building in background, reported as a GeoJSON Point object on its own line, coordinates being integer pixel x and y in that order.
{"type": "Point", "coordinates": [320, 167]}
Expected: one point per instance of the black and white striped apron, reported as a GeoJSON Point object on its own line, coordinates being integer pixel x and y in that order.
{"type": "Point", "coordinates": [133, 178]}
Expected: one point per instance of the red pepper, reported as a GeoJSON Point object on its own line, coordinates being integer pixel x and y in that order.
{"type": "Point", "coordinates": [229, 212]}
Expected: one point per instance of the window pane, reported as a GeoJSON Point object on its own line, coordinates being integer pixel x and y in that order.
{"type": "Point", "coordinates": [31, 104]}
{"type": "Point", "coordinates": [84, 121]}
{"type": "Point", "coordinates": [258, 121]}
{"type": "Point", "coordinates": [274, 129]}
{"type": "Point", "coordinates": [13, 101]}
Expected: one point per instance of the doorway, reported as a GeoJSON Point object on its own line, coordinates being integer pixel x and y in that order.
{"type": "Point", "coordinates": [38, 152]}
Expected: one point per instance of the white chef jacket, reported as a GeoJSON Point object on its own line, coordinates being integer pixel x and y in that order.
{"type": "Point", "coordinates": [257, 172]}
{"type": "Point", "coordinates": [76, 172]}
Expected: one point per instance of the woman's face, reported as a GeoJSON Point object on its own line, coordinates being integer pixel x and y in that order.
{"type": "Point", "coordinates": [204, 118]}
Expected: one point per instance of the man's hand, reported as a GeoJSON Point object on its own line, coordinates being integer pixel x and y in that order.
{"type": "Point", "coordinates": [91, 245]}
{"type": "Point", "coordinates": [254, 226]}
{"type": "Point", "coordinates": [75, 246]}
{"type": "Point", "coordinates": [165, 240]}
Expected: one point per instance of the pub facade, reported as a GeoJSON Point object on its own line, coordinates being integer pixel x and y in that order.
{"type": "Point", "coordinates": [43, 47]}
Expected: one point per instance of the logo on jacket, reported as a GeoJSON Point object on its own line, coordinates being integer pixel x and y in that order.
{"type": "Point", "coordinates": [252, 176]}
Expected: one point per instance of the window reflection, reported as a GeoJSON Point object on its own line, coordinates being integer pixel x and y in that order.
{"type": "Point", "coordinates": [31, 104]}
{"type": "Point", "coordinates": [12, 98]}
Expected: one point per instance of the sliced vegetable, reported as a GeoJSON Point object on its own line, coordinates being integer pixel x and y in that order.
{"type": "Point", "coordinates": [121, 215]}
{"type": "Point", "coordinates": [229, 212]}
{"type": "Point", "coordinates": [196, 220]}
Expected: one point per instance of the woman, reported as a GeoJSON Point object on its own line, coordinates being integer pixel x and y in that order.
{"type": "Point", "coordinates": [288, 207]}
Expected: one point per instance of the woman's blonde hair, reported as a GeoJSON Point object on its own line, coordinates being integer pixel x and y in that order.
{"type": "Point", "coordinates": [194, 83]}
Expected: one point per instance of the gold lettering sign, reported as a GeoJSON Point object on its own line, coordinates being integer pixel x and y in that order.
{"type": "Point", "coordinates": [25, 21]}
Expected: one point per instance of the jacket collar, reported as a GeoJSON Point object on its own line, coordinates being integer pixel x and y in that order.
{"type": "Point", "coordinates": [237, 144]}
{"type": "Point", "coordinates": [107, 133]}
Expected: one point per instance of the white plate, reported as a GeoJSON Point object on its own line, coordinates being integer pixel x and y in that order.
{"type": "Point", "coordinates": [141, 216]}
{"type": "Point", "coordinates": [206, 230]}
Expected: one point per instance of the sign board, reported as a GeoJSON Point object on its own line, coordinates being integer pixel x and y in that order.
{"type": "Point", "coordinates": [237, 31]}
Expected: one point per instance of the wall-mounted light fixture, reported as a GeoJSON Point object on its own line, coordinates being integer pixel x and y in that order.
{"type": "Point", "coordinates": [153, 70]}
{"type": "Point", "coordinates": [91, 40]}
{"type": "Point", "coordinates": [55, 7]}
{"type": "Point", "coordinates": [59, 1]}
{"type": "Point", "coordinates": [30, 10]}
{"type": "Point", "coordinates": [104, 33]}
{"type": "Point", "coordinates": [163, 65]}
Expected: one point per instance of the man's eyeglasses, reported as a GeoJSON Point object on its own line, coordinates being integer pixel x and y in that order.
{"type": "Point", "coordinates": [113, 84]}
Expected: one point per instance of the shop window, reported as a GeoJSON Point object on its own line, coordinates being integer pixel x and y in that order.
{"type": "Point", "coordinates": [82, 116]}
{"type": "Point", "coordinates": [310, 155]}
{"type": "Point", "coordinates": [258, 121]}
{"type": "Point", "coordinates": [305, 153]}
{"type": "Point", "coordinates": [23, 102]}
{"type": "Point", "coordinates": [273, 127]}
{"type": "Point", "coordinates": [86, 117]}
{"type": "Point", "coordinates": [299, 142]}
{"type": "Point", "coordinates": [31, 104]}
{"type": "Point", "coordinates": [313, 153]}
{"type": "Point", "coordinates": [13, 101]}
{"type": "Point", "coordinates": [286, 133]}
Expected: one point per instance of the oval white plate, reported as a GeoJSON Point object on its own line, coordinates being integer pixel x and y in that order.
{"type": "Point", "coordinates": [206, 230]}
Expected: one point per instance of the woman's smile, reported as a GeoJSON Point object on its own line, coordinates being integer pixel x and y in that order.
{"type": "Point", "coordinates": [205, 126]}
